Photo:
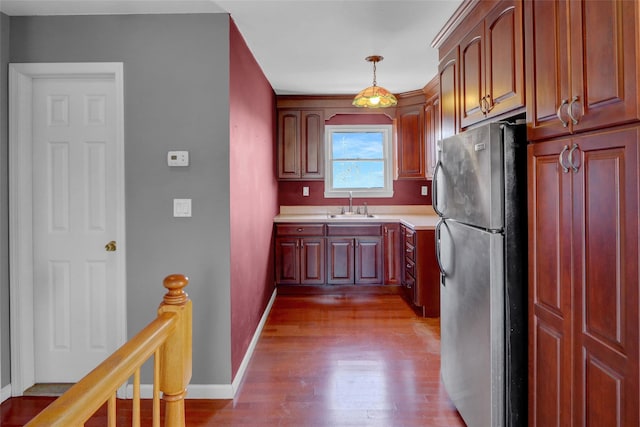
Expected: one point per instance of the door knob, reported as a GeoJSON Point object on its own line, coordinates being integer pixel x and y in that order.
{"type": "Point", "coordinates": [111, 246]}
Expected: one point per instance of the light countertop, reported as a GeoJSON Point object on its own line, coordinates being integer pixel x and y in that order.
{"type": "Point", "coordinates": [416, 217]}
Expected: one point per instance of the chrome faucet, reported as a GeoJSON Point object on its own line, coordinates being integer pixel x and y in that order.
{"type": "Point", "coordinates": [350, 201]}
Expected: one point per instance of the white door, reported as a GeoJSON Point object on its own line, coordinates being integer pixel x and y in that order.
{"type": "Point", "coordinates": [74, 219]}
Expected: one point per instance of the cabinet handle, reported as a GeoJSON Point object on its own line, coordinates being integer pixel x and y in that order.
{"type": "Point", "coordinates": [438, 225]}
{"type": "Point", "coordinates": [565, 168]}
{"type": "Point", "coordinates": [489, 103]}
{"type": "Point", "coordinates": [434, 190]}
{"type": "Point", "coordinates": [570, 109]}
{"type": "Point", "coordinates": [559, 113]}
{"type": "Point", "coordinates": [300, 230]}
{"type": "Point", "coordinates": [574, 167]}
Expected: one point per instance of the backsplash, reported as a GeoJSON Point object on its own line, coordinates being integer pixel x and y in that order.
{"type": "Point", "coordinates": [405, 192]}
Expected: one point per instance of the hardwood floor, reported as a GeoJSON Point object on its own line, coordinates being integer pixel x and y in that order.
{"type": "Point", "coordinates": [356, 360]}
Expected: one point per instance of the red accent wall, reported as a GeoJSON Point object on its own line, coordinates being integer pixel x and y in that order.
{"type": "Point", "coordinates": [254, 193]}
{"type": "Point", "coordinates": [405, 192]}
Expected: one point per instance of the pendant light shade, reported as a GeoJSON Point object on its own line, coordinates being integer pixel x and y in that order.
{"type": "Point", "coordinates": [374, 96]}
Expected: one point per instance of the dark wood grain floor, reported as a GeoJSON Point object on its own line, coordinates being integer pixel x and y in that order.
{"type": "Point", "coordinates": [359, 360]}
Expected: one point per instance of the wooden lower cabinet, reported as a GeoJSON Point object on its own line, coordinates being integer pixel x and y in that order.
{"type": "Point", "coordinates": [420, 277]}
{"type": "Point", "coordinates": [583, 280]}
{"type": "Point", "coordinates": [300, 261]}
{"type": "Point", "coordinates": [392, 271]}
{"type": "Point", "coordinates": [356, 260]}
{"type": "Point", "coordinates": [333, 254]}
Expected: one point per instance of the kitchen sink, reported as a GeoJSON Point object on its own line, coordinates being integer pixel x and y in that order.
{"type": "Point", "coordinates": [353, 216]}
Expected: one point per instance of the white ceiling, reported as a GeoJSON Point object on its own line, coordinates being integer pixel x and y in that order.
{"type": "Point", "coordinates": [306, 46]}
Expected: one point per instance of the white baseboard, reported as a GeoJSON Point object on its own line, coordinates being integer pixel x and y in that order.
{"type": "Point", "coordinates": [252, 345]}
{"type": "Point", "coordinates": [5, 393]}
{"type": "Point", "coordinates": [216, 391]}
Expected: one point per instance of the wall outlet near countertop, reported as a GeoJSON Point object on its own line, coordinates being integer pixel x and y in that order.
{"type": "Point", "coordinates": [424, 190]}
{"type": "Point", "coordinates": [305, 191]}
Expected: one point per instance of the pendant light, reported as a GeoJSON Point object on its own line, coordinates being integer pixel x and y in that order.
{"type": "Point", "coordinates": [374, 96]}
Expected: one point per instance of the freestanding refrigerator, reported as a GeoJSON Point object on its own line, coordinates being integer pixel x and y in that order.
{"type": "Point", "coordinates": [480, 194]}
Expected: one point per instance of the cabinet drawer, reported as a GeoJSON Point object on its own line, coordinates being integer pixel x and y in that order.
{"type": "Point", "coordinates": [300, 229]}
{"type": "Point", "coordinates": [354, 230]}
{"type": "Point", "coordinates": [409, 268]}
{"type": "Point", "coordinates": [410, 252]}
{"type": "Point", "coordinates": [410, 236]}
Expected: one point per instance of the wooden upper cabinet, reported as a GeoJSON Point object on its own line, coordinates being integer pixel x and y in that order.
{"type": "Point", "coordinates": [300, 144]}
{"type": "Point", "coordinates": [492, 65]}
{"type": "Point", "coordinates": [432, 132]}
{"type": "Point", "coordinates": [289, 144]}
{"type": "Point", "coordinates": [582, 65]}
{"type": "Point", "coordinates": [472, 91]}
{"type": "Point", "coordinates": [504, 56]}
{"type": "Point", "coordinates": [312, 145]}
{"type": "Point", "coordinates": [448, 75]}
{"type": "Point", "coordinates": [411, 155]}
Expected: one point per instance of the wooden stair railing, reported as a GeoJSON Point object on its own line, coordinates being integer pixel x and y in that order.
{"type": "Point", "coordinates": [168, 338]}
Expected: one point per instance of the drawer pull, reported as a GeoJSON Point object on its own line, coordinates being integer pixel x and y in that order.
{"type": "Point", "coordinates": [300, 230]}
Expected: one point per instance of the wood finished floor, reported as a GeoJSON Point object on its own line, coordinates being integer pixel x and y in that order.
{"type": "Point", "coordinates": [357, 360]}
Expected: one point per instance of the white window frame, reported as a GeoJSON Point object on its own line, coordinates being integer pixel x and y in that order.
{"type": "Point", "coordinates": [387, 190]}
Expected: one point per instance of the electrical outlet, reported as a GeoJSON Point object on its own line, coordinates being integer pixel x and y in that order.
{"type": "Point", "coordinates": [305, 191]}
{"type": "Point", "coordinates": [424, 190]}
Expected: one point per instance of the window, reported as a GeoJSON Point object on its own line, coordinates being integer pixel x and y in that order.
{"type": "Point", "coordinates": [358, 159]}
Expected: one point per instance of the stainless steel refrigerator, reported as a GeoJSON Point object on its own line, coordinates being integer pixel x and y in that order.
{"type": "Point", "coordinates": [480, 194]}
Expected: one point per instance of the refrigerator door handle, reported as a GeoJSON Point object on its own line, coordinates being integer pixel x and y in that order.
{"type": "Point", "coordinates": [443, 274]}
{"type": "Point", "coordinates": [434, 189]}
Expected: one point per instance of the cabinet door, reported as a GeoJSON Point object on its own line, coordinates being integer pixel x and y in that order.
{"type": "Point", "coordinates": [312, 145]}
{"type": "Point", "coordinates": [605, 244]}
{"type": "Point", "coordinates": [427, 289]}
{"type": "Point", "coordinates": [504, 59]}
{"type": "Point", "coordinates": [288, 144]}
{"type": "Point", "coordinates": [287, 261]}
{"type": "Point", "coordinates": [411, 157]}
{"type": "Point", "coordinates": [368, 260]}
{"type": "Point", "coordinates": [604, 62]}
{"type": "Point", "coordinates": [547, 68]}
{"type": "Point", "coordinates": [312, 261]}
{"type": "Point", "coordinates": [472, 91]}
{"type": "Point", "coordinates": [392, 254]}
{"type": "Point", "coordinates": [340, 261]}
{"type": "Point", "coordinates": [431, 133]}
{"type": "Point", "coordinates": [549, 285]}
{"type": "Point", "coordinates": [448, 74]}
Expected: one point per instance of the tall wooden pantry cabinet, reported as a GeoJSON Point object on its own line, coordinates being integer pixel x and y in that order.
{"type": "Point", "coordinates": [583, 119]}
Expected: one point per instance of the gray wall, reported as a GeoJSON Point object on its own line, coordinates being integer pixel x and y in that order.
{"type": "Point", "coordinates": [5, 366]}
{"type": "Point", "coordinates": [176, 77]}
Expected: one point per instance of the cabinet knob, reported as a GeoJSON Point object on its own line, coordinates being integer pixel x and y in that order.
{"type": "Point", "coordinates": [300, 230]}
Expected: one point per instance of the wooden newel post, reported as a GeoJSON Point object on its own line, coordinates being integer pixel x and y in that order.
{"type": "Point", "coordinates": [175, 353]}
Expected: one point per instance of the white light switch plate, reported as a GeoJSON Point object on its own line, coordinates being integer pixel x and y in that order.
{"type": "Point", "coordinates": [424, 190]}
{"type": "Point", "coordinates": [182, 208]}
{"type": "Point", "coordinates": [305, 191]}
